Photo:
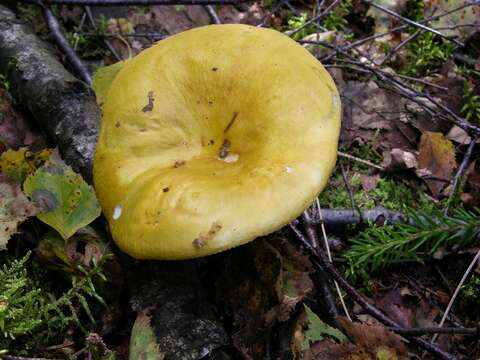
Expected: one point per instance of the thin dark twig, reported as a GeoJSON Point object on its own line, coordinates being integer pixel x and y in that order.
{"type": "Point", "coordinates": [459, 173]}
{"type": "Point", "coordinates": [399, 46]}
{"type": "Point", "coordinates": [329, 268]}
{"type": "Point", "coordinates": [212, 14]}
{"type": "Point", "coordinates": [350, 192]}
{"type": "Point", "coordinates": [136, 2]}
{"type": "Point", "coordinates": [325, 289]}
{"type": "Point", "coordinates": [315, 18]}
{"type": "Point", "coordinates": [10, 357]}
{"type": "Point", "coordinates": [399, 28]}
{"type": "Point", "coordinates": [413, 23]}
{"type": "Point", "coordinates": [373, 311]}
{"type": "Point", "coordinates": [93, 23]}
{"type": "Point", "coordinates": [435, 330]}
{"type": "Point", "coordinates": [63, 43]}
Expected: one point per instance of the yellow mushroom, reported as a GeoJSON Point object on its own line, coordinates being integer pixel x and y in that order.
{"type": "Point", "coordinates": [211, 138]}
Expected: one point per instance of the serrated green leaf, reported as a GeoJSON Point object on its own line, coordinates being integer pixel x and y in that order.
{"type": "Point", "coordinates": [103, 79]}
{"type": "Point", "coordinates": [318, 330]}
{"type": "Point", "coordinates": [143, 344]}
{"type": "Point", "coordinates": [67, 202]}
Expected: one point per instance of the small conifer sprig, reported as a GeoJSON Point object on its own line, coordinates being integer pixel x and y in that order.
{"type": "Point", "coordinates": [380, 246]}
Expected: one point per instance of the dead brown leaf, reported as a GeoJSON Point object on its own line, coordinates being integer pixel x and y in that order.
{"type": "Point", "coordinates": [437, 156]}
{"type": "Point", "coordinates": [14, 130]}
{"type": "Point", "coordinates": [398, 159]}
{"type": "Point", "coordinates": [369, 182]}
{"type": "Point", "coordinates": [374, 338]}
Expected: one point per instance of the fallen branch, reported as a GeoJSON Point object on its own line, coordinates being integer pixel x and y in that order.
{"type": "Point", "coordinates": [63, 106]}
{"type": "Point", "coordinates": [342, 217]}
{"type": "Point", "coordinates": [63, 43]}
{"type": "Point", "coordinates": [323, 262]}
{"type": "Point", "coordinates": [136, 2]}
{"type": "Point", "coordinates": [435, 330]}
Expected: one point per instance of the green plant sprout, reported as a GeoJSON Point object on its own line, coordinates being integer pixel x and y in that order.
{"type": "Point", "coordinates": [379, 246]}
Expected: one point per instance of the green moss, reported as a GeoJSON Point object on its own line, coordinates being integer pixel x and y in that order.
{"type": "Point", "coordinates": [426, 54]}
{"type": "Point", "coordinates": [389, 193]}
{"type": "Point", "coordinates": [296, 22]}
{"type": "Point", "coordinates": [336, 20]}
{"type": "Point", "coordinates": [471, 291]}
{"type": "Point", "coordinates": [471, 107]}
{"type": "Point", "coordinates": [34, 314]}
{"type": "Point", "coordinates": [415, 9]}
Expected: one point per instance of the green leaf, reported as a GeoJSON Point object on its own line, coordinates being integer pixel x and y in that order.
{"type": "Point", "coordinates": [103, 78]}
{"type": "Point", "coordinates": [66, 200]}
{"type": "Point", "coordinates": [143, 344]}
{"type": "Point", "coordinates": [318, 330]}
{"type": "Point", "coordinates": [18, 164]}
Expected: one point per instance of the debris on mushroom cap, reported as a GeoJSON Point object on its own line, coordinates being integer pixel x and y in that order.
{"type": "Point", "coordinates": [218, 145]}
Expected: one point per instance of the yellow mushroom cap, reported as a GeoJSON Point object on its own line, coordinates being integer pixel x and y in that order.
{"type": "Point", "coordinates": [211, 138]}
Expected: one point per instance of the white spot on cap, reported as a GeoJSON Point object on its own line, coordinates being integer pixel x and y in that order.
{"type": "Point", "coordinates": [288, 169]}
{"type": "Point", "coordinates": [117, 212]}
{"type": "Point", "coordinates": [230, 158]}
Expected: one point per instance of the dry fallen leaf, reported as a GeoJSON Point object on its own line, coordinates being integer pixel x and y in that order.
{"type": "Point", "coordinates": [398, 159]}
{"type": "Point", "coordinates": [14, 209]}
{"type": "Point", "coordinates": [369, 182]}
{"type": "Point", "coordinates": [437, 156]}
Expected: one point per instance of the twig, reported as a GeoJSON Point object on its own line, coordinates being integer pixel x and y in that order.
{"type": "Point", "coordinates": [459, 173]}
{"type": "Point", "coordinates": [350, 192]}
{"type": "Point", "coordinates": [10, 357]}
{"type": "Point", "coordinates": [212, 14]}
{"type": "Point", "coordinates": [457, 291]}
{"type": "Point", "coordinates": [327, 248]}
{"type": "Point", "coordinates": [326, 265]}
{"type": "Point", "coordinates": [92, 21]}
{"type": "Point", "coordinates": [324, 284]}
{"type": "Point", "coordinates": [365, 162]}
{"type": "Point", "coordinates": [63, 44]}
{"type": "Point", "coordinates": [435, 330]}
{"type": "Point", "coordinates": [399, 46]}
{"type": "Point", "coordinates": [413, 23]}
{"type": "Point", "coordinates": [136, 2]}
{"type": "Point", "coordinates": [400, 28]}
{"type": "Point", "coordinates": [315, 18]}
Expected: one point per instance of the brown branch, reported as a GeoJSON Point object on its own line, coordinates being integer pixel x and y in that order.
{"type": "Point", "coordinates": [135, 2]}
{"type": "Point", "coordinates": [329, 268]}
{"type": "Point", "coordinates": [413, 23]}
{"type": "Point", "coordinates": [435, 330]}
{"type": "Point", "coordinates": [63, 43]}
{"type": "Point", "coordinates": [460, 171]}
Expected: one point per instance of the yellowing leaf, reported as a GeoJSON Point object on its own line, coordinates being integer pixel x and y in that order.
{"type": "Point", "coordinates": [18, 164]}
{"type": "Point", "coordinates": [436, 158]}
{"type": "Point", "coordinates": [66, 200]}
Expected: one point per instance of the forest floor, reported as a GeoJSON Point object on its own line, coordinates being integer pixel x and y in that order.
{"type": "Point", "coordinates": [408, 72]}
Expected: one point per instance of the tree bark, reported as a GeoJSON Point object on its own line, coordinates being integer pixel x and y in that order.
{"type": "Point", "coordinates": [63, 106]}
